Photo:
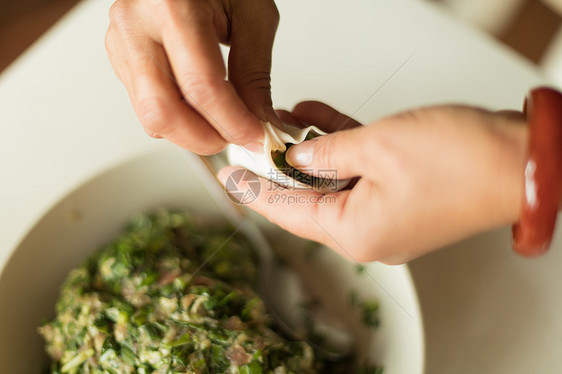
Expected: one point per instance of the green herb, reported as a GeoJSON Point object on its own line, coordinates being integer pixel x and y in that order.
{"type": "Point", "coordinates": [371, 370]}
{"type": "Point", "coordinates": [369, 313]}
{"type": "Point", "coordinates": [353, 298]}
{"type": "Point", "coordinates": [360, 269]}
{"type": "Point", "coordinates": [280, 161]}
{"type": "Point", "coordinates": [160, 298]}
{"type": "Point", "coordinates": [368, 309]}
{"type": "Point", "coordinates": [312, 249]}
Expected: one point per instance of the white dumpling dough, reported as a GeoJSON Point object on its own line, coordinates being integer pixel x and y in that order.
{"type": "Point", "coordinates": [262, 163]}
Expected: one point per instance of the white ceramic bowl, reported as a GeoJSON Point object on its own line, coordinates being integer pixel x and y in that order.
{"type": "Point", "coordinates": [95, 212]}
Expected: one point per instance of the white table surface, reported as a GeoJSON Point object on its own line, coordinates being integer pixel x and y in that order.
{"type": "Point", "coordinates": [65, 117]}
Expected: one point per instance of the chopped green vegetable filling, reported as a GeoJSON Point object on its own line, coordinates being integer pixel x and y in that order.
{"type": "Point", "coordinates": [282, 164]}
{"type": "Point", "coordinates": [172, 294]}
{"type": "Point", "coordinates": [369, 313]}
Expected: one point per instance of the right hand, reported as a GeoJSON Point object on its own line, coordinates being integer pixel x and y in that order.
{"type": "Point", "coordinates": [166, 52]}
{"type": "Point", "coordinates": [428, 177]}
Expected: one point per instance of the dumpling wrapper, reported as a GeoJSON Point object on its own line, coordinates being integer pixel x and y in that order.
{"type": "Point", "coordinates": [262, 164]}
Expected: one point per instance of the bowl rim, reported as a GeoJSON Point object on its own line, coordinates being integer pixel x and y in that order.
{"type": "Point", "coordinates": [56, 200]}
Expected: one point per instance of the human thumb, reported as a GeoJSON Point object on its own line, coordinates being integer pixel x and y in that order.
{"type": "Point", "coordinates": [340, 153]}
{"type": "Point", "coordinates": [254, 24]}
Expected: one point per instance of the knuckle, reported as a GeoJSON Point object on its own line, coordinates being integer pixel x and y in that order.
{"type": "Point", "coordinates": [181, 12]}
{"type": "Point", "coordinates": [200, 88]}
{"type": "Point", "coordinates": [109, 41]}
{"type": "Point", "coordinates": [205, 93]}
{"type": "Point", "coordinates": [274, 14]}
{"type": "Point", "coordinates": [387, 155]}
{"type": "Point", "coordinates": [255, 90]}
{"type": "Point", "coordinates": [167, 7]}
{"type": "Point", "coordinates": [120, 12]}
{"type": "Point", "coordinates": [322, 158]}
{"type": "Point", "coordinates": [154, 116]}
{"type": "Point", "coordinates": [270, 13]}
{"type": "Point", "coordinates": [256, 79]}
{"type": "Point", "coordinates": [239, 135]}
{"type": "Point", "coordinates": [326, 149]}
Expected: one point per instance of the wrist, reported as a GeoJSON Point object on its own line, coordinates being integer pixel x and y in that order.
{"type": "Point", "coordinates": [518, 134]}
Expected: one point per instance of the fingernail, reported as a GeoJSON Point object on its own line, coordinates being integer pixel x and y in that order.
{"type": "Point", "coordinates": [300, 154]}
{"type": "Point", "coordinates": [255, 147]}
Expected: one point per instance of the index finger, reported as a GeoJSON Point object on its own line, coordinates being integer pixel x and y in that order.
{"type": "Point", "coordinates": [192, 45]}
